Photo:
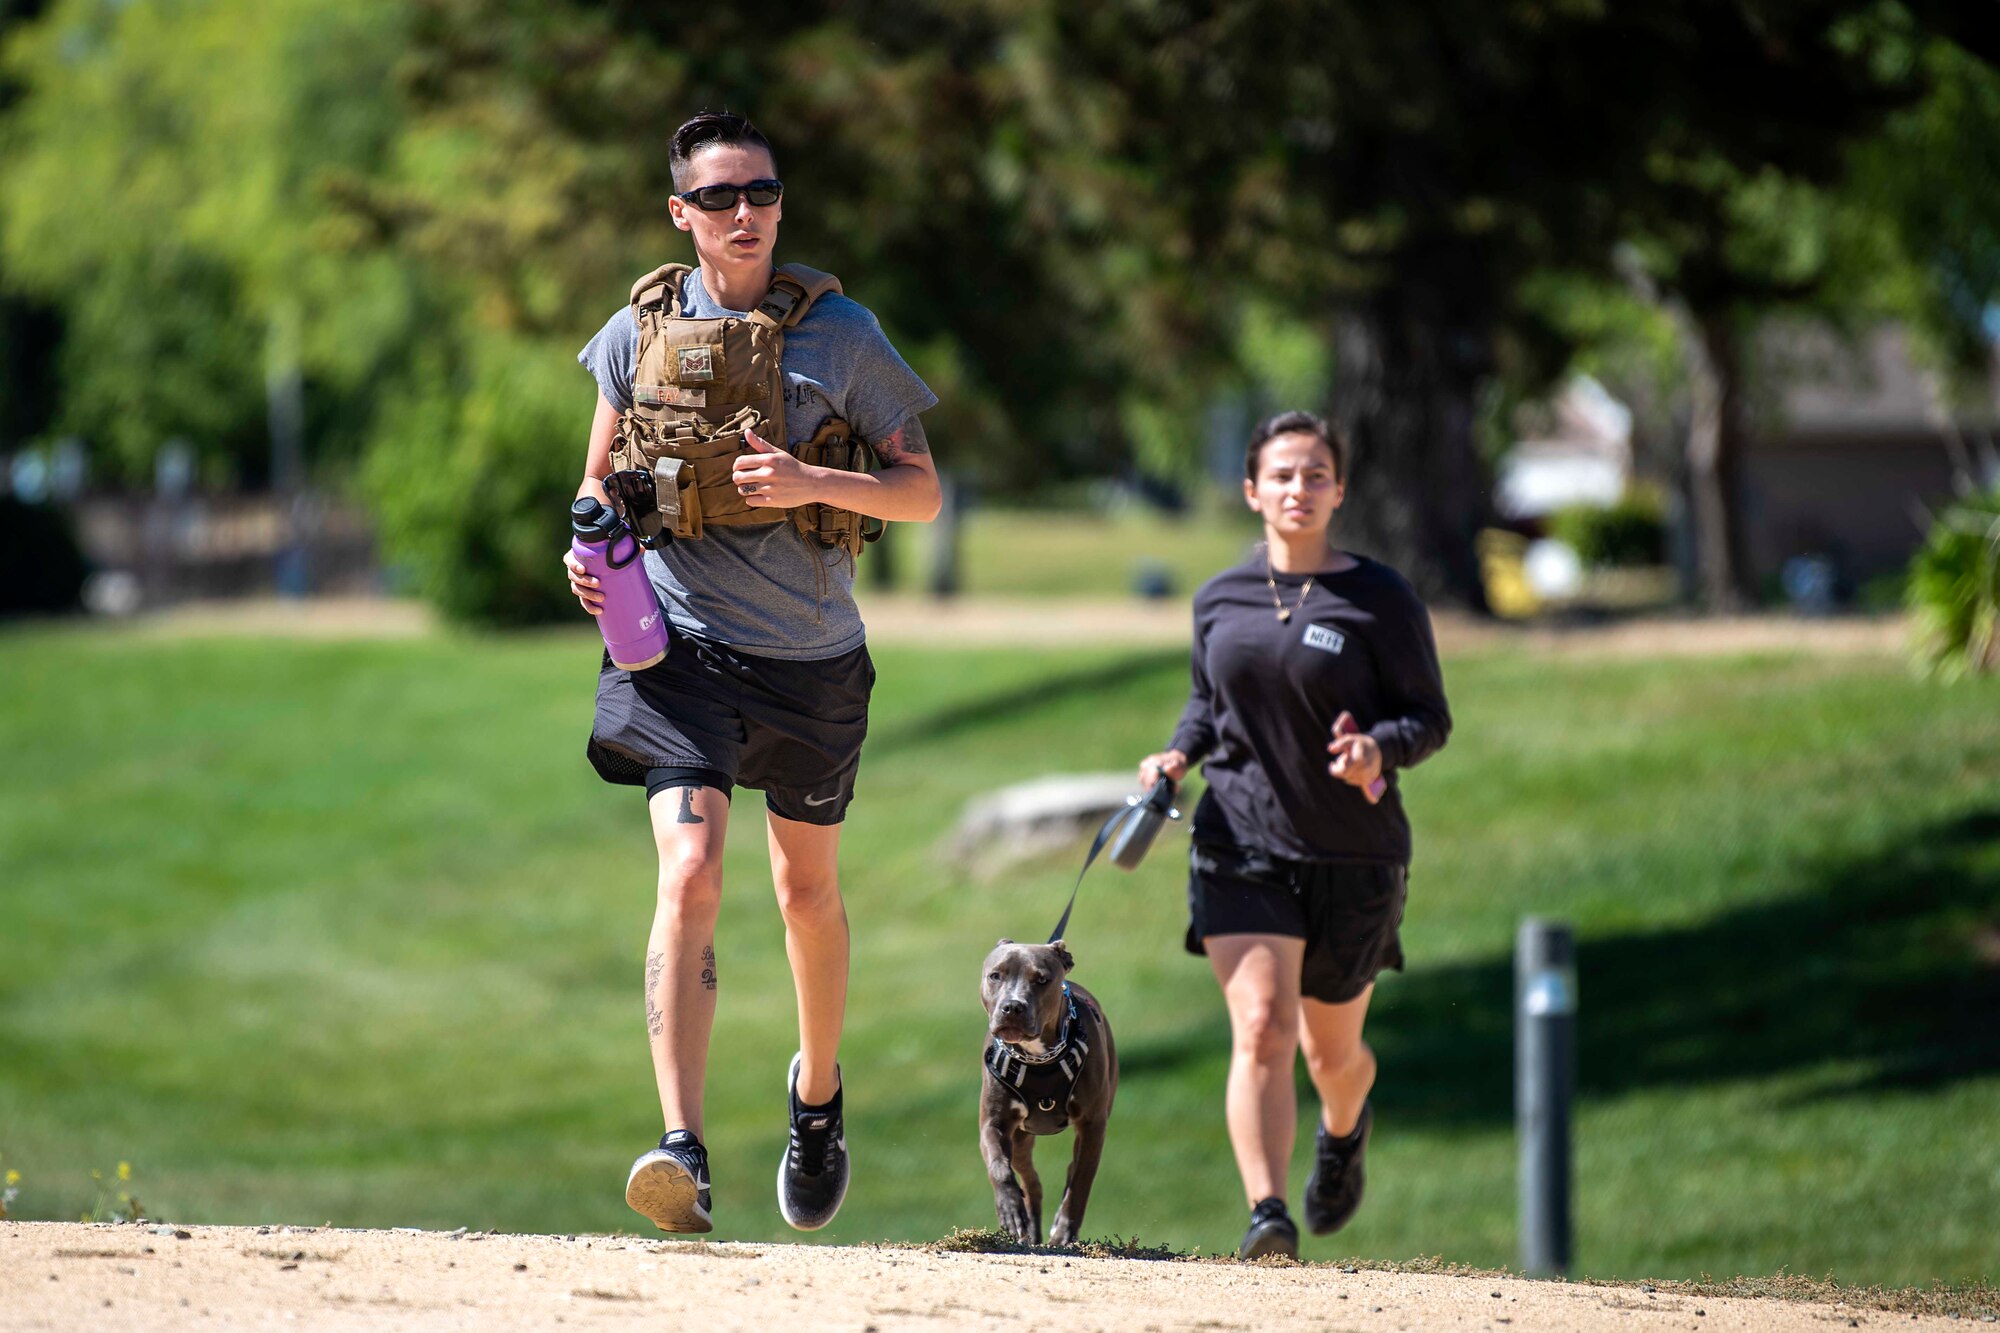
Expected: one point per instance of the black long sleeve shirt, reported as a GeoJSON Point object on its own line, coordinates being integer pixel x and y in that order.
{"type": "Point", "coordinates": [1266, 693]}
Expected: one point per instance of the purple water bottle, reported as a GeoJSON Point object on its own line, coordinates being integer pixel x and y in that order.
{"type": "Point", "coordinates": [635, 629]}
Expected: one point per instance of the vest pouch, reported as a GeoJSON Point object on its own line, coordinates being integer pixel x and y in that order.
{"type": "Point", "coordinates": [679, 497]}
{"type": "Point", "coordinates": [834, 446]}
{"type": "Point", "coordinates": [641, 443]}
{"type": "Point", "coordinates": [712, 464]}
{"type": "Point", "coordinates": [706, 456]}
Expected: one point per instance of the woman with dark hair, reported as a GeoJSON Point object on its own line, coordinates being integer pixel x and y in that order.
{"type": "Point", "coordinates": [1315, 682]}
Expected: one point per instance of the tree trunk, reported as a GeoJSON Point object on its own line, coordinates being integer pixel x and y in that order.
{"type": "Point", "coordinates": [1418, 493]}
{"type": "Point", "coordinates": [1715, 462]}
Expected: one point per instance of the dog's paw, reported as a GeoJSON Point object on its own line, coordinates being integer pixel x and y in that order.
{"type": "Point", "coordinates": [1063, 1232]}
{"type": "Point", "coordinates": [1014, 1219]}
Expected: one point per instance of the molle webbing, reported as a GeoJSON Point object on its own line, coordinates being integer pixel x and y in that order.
{"type": "Point", "coordinates": [700, 385]}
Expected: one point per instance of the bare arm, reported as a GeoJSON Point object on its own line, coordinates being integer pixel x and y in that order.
{"type": "Point", "coordinates": [597, 454]}
{"type": "Point", "coordinates": [596, 466]}
{"type": "Point", "coordinates": [904, 491]}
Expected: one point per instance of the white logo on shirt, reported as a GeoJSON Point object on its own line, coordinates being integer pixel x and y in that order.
{"type": "Point", "coordinates": [1324, 639]}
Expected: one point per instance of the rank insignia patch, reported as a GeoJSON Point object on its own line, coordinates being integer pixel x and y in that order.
{"type": "Point", "coordinates": [694, 363]}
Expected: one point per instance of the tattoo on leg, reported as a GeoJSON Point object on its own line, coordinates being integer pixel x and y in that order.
{"type": "Point", "coordinates": [687, 814]}
{"type": "Point", "coordinates": [656, 966]}
{"type": "Point", "coordinates": [708, 966]}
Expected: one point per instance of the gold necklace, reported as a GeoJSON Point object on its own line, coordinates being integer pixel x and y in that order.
{"type": "Point", "coordinates": [1271, 580]}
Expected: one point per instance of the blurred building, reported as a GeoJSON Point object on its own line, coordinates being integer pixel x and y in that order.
{"type": "Point", "coordinates": [154, 550]}
{"type": "Point", "coordinates": [1855, 451]}
{"type": "Point", "coordinates": [1847, 456]}
{"type": "Point", "coordinates": [1582, 455]}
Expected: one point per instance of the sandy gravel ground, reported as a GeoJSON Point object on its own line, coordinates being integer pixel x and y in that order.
{"type": "Point", "coordinates": [71, 1276]}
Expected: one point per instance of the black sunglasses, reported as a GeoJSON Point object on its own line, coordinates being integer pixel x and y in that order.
{"type": "Point", "coordinates": [717, 198]}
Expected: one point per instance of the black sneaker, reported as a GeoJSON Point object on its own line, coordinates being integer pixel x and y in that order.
{"type": "Point", "coordinates": [1333, 1192]}
{"type": "Point", "coordinates": [670, 1184]}
{"type": "Point", "coordinates": [812, 1178]}
{"type": "Point", "coordinates": [1272, 1231]}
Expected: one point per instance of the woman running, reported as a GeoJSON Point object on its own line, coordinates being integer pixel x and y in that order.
{"type": "Point", "coordinates": [1315, 682]}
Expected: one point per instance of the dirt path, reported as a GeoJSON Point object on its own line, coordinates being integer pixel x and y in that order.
{"type": "Point", "coordinates": [998, 621]}
{"type": "Point", "coordinates": [71, 1276]}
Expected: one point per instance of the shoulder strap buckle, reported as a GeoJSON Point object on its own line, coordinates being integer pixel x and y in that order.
{"type": "Point", "coordinates": [661, 287]}
{"type": "Point", "coordinates": [779, 302]}
{"type": "Point", "coordinates": [794, 288]}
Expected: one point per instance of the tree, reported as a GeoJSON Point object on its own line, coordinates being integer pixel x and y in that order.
{"type": "Point", "coordinates": [1086, 225]}
{"type": "Point", "coordinates": [1410, 174]}
{"type": "Point", "coordinates": [29, 330]}
{"type": "Point", "coordinates": [164, 165]}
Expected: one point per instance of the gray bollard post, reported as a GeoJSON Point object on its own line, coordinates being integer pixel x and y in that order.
{"type": "Point", "coordinates": [1544, 1084]}
{"type": "Point", "coordinates": [946, 534]}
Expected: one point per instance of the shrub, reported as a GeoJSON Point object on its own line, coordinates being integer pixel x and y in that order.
{"type": "Point", "coordinates": [1954, 589]}
{"type": "Point", "coordinates": [41, 566]}
{"type": "Point", "coordinates": [1630, 532]}
{"type": "Point", "coordinates": [471, 481]}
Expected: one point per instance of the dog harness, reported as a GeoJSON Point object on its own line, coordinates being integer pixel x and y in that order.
{"type": "Point", "coordinates": [1043, 1083]}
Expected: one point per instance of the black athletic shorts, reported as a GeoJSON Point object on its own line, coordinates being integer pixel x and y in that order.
{"type": "Point", "coordinates": [1348, 914]}
{"type": "Point", "coordinates": [790, 729]}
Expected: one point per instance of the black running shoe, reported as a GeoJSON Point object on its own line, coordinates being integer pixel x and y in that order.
{"type": "Point", "coordinates": [1333, 1192]}
{"type": "Point", "coordinates": [1272, 1231]}
{"type": "Point", "coordinates": [812, 1178]}
{"type": "Point", "coordinates": [670, 1184]}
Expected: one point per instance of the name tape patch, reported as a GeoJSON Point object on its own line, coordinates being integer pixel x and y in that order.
{"type": "Point", "coordinates": [1325, 639]}
{"type": "Point", "coordinates": [669, 395]}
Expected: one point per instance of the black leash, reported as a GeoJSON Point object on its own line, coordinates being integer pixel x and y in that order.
{"type": "Point", "coordinates": [1142, 820]}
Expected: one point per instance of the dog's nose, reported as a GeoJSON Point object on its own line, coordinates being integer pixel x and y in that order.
{"type": "Point", "coordinates": [1013, 1008]}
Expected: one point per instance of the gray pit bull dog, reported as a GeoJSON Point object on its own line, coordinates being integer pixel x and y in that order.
{"type": "Point", "coordinates": [1049, 1061]}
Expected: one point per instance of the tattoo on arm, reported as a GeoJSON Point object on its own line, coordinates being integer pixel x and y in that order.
{"type": "Point", "coordinates": [656, 966]}
{"type": "Point", "coordinates": [906, 441]}
{"type": "Point", "coordinates": [687, 814]}
{"type": "Point", "coordinates": [708, 967]}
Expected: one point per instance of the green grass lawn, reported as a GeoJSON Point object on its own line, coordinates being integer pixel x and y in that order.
{"type": "Point", "coordinates": [349, 932]}
{"type": "Point", "coordinates": [1074, 553]}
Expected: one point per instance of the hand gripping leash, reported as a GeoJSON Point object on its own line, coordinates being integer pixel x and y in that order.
{"type": "Point", "coordinates": [1134, 828]}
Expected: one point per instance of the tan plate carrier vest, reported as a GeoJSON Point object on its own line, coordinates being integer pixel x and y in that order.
{"type": "Point", "coordinates": [700, 383]}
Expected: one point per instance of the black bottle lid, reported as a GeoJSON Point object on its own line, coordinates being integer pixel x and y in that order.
{"type": "Point", "coordinates": [592, 519]}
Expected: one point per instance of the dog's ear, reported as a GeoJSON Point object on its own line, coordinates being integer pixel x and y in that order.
{"type": "Point", "coordinates": [1062, 952]}
{"type": "Point", "coordinates": [1003, 940]}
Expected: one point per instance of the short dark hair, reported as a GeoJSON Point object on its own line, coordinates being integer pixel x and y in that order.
{"type": "Point", "coordinates": [1296, 423]}
{"type": "Point", "coordinates": [707, 130]}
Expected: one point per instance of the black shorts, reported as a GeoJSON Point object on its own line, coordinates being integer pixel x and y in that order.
{"type": "Point", "coordinates": [790, 729]}
{"type": "Point", "coordinates": [1348, 914]}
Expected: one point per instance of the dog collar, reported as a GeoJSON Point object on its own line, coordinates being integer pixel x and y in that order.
{"type": "Point", "coordinates": [1044, 1083]}
{"type": "Point", "coordinates": [1055, 1052]}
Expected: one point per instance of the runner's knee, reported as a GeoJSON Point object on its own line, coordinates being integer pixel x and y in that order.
{"type": "Point", "coordinates": [691, 883]}
{"type": "Point", "coordinates": [1352, 1062]}
{"type": "Point", "coordinates": [809, 901]}
{"type": "Point", "coordinates": [1265, 1031]}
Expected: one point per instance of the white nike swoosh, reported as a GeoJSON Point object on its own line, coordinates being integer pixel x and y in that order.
{"type": "Point", "coordinates": [824, 800]}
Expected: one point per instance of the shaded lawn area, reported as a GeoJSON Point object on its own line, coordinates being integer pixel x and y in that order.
{"type": "Point", "coordinates": [348, 932]}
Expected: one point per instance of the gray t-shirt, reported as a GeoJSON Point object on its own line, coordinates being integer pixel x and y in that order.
{"type": "Point", "coordinates": [755, 588]}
